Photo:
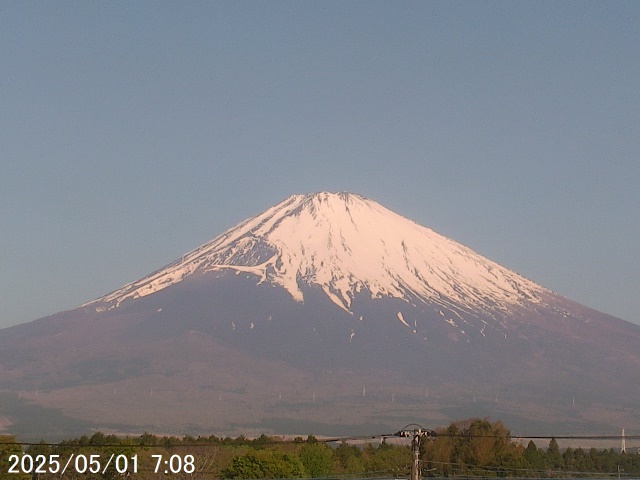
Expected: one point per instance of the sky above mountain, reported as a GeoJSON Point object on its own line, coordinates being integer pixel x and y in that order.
{"type": "Point", "coordinates": [133, 132]}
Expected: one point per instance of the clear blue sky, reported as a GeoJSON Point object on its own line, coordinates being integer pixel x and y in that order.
{"type": "Point", "coordinates": [132, 132]}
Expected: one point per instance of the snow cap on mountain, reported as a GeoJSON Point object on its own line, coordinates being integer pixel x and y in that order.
{"type": "Point", "coordinates": [347, 245]}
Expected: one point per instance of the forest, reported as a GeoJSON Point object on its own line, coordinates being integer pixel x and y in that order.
{"type": "Point", "coordinates": [465, 449]}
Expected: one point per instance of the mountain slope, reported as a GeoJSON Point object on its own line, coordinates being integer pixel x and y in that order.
{"type": "Point", "coordinates": [327, 310]}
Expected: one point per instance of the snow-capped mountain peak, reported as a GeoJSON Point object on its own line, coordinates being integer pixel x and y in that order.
{"type": "Point", "coordinates": [316, 293]}
{"type": "Point", "coordinates": [346, 245]}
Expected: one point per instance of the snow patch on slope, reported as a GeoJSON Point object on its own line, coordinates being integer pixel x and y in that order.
{"type": "Point", "coordinates": [401, 318]}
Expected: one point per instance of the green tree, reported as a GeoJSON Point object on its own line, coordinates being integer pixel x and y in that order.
{"type": "Point", "coordinates": [8, 447]}
{"type": "Point", "coordinates": [393, 459]}
{"type": "Point", "coordinates": [265, 464]}
{"type": "Point", "coordinates": [318, 459]}
{"type": "Point", "coordinates": [554, 459]}
{"type": "Point", "coordinates": [534, 457]}
{"type": "Point", "coordinates": [349, 458]}
{"type": "Point", "coordinates": [474, 446]}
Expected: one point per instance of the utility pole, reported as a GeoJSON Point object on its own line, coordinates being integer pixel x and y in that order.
{"type": "Point", "coordinates": [415, 464]}
{"type": "Point", "coordinates": [417, 433]}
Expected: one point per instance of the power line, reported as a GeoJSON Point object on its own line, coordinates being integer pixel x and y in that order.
{"type": "Point", "coordinates": [276, 441]}
{"type": "Point", "coordinates": [406, 432]}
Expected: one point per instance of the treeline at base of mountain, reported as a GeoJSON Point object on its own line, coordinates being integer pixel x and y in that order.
{"type": "Point", "coordinates": [469, 448]}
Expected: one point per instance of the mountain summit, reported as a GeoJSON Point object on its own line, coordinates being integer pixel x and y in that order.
{"type": "Point", "coordinates": [326, 314]}
{"type": "Point", "coordinates": [348, 245]}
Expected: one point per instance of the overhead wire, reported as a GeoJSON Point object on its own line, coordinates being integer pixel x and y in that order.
{"type": "Point", "coordinates": [275, 440]}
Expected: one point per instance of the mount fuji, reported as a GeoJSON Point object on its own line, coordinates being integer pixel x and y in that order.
{"type": "Point", "coordinates": [327, 313]}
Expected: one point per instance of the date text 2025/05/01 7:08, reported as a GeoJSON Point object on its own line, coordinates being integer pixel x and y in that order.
{"type": "Point", "coordinates": [94, 463]}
